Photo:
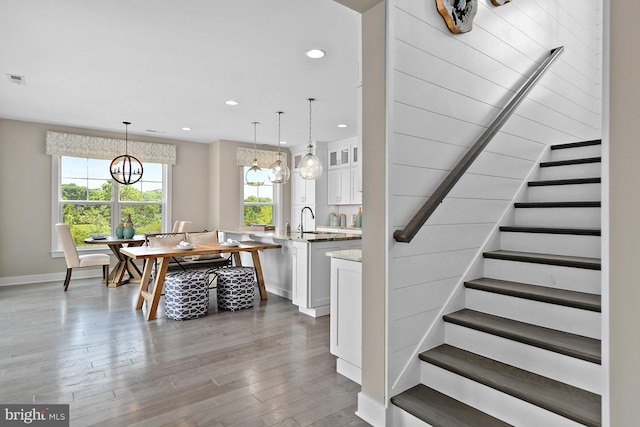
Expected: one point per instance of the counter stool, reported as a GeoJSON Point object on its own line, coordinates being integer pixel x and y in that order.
{"type": "Point", "coordinates": [236, 287]}
{"type": "Point", "coordinates": [186, 295]}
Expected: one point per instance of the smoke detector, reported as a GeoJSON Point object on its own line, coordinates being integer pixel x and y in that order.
{"type": "Point", "coordinates": [17, 79]}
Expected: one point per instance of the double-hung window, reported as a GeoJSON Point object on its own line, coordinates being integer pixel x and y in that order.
{"type": "Point", "coordinates": [259, 201]}
{"type": "Point", "coordinates": [90, 201]}
{"type": "Point", "coordinates": [85, 196]}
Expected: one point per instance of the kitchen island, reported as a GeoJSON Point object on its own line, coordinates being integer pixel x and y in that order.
{"type": "Point", "coordinates": [299, 270]}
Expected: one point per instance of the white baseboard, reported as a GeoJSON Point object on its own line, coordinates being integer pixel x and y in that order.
{"type": "Point", "coordinates": [315, 312]}
{"type": "Point", "coordinates": [371, 411]}
{"type": "Point", "coordinates": [79, 273]}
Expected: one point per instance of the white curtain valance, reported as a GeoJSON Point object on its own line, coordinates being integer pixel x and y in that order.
{"type": "Point", "coordinates": [68, 144]}
{"type": "Point", "coordinates": [245, 156]}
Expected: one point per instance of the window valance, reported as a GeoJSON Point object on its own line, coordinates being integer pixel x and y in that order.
{"type": "Point", "coordinates": [245, 156]}
{"type": "Point", "coordinates": [68, 144]}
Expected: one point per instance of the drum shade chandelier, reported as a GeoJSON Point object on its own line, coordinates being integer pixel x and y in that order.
{"type": "Point", "coordinates": [254, 175]}
{"type": "Point", "coordinates": [310, 166]}
{"type": "Point", "coordinates": [279, 173]}
{"type": "Point", "coordinates": [126, 169]}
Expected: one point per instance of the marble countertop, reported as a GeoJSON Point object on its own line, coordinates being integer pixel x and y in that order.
{"type": "Point", "coordinates": [307, 237]}
{"type": "Point", "coordinates": [346, 254]}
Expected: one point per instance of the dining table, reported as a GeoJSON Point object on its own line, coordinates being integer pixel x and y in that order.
{"type": "Point", "coordinates": [163, 254]}
{"type": "Point", "coordinates": [124, 264]}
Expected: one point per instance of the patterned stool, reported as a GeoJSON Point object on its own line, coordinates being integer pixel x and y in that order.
{"type": "Point", "coordinates": [235, 288]}
{"type": "Point", "coordinates": [186, 295]}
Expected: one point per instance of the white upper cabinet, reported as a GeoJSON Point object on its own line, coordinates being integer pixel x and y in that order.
{"type": "Point", "coordinates": [345, 172]}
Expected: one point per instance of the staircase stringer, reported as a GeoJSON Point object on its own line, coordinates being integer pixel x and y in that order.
{"type": "Point", "coordinates": [433, 336]}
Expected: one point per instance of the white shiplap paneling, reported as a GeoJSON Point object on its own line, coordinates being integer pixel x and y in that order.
{"type": "Point", "coordinates": [444, 91]}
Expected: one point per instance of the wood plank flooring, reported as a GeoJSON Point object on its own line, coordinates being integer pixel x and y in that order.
{"type": "Point", "coordinates": [88, 347]}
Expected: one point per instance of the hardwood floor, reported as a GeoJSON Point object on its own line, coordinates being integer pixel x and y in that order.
{"type": "Point", "coordinates": [88, 347]}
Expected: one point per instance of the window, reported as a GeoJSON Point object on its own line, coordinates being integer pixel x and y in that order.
{"type": "Point", "coordinates": [91, 202]}
{"type": "Point", "coordinates": [258, 201]}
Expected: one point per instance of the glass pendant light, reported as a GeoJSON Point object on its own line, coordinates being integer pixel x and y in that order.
{"type": "Point", "coordinates": [310, 166]}
{"type": "Point", "coordinates": [254, 175]}
{"type": "Point", "coordinates": [279, 173]}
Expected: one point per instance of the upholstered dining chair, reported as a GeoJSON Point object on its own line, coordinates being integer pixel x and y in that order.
{"type": "Point", "coordinates": [181, 226]}
{"type": "Point", "coordinates": [74, 260]}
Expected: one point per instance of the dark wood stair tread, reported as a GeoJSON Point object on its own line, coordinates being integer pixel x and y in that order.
{"type": "Point", "coordinates": [571, 402]}
{"type": "Point", "coordinates": [570, 181]}
{"type": "Point", "coordinates": [581, 300]}
{"type": "Point", "coordinates": [549, 259]}
{"type": "Point", "coordinates": [570, 162]}
{"type": "Point", "coordinates": [440, 410]}
{"type": "Point", "coordinates": [572, 345]}
{"type": "Point", "coordinates": [576, 144]}
{"type": "Point", "coordinates": [551, 230]}
{"type": "Point", "coordinates": [585, 204]}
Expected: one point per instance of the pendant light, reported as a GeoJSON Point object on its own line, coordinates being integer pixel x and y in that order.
{"type": "Point", "coordinates": [310, 166]}
{"type": "Point", "coordinates": [254, 176]}
{"type": "Point", "coordinates": [279, 173]}
{"type": "Point", "coordinates": [126, 169]}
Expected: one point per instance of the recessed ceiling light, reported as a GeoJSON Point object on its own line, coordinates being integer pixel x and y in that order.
{"type": "Point", "coordinates": [283, 142]}
{"type": "Point", "coordinates": [231, 102]}
{"type": "Point", "coordinates": [343, 125]}
{"type": "Point", "coordinates": [315, 53]}
{"type": "Point", "coordinates": [186, 128]}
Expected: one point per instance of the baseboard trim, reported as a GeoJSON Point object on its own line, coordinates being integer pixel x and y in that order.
{"type": "Point", "coordinates": [80, 273]}
{"type": "Point", "coordinates": [371, 411]}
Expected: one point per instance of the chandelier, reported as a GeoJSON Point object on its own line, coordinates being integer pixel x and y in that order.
{"type": "Point", "coordinates": [126, 169]}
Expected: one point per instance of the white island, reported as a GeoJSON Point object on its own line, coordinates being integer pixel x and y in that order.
{"type": "Point", "coordinates": [299, 270]}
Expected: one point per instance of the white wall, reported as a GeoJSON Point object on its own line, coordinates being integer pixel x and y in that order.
{"type": "Point", "coordinates": [443, 91]}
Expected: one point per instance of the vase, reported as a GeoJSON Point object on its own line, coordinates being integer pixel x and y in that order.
{"type": "Point", "coordinates": [120, 231]}
{"type": "Point", "coordinates": [128, 231]}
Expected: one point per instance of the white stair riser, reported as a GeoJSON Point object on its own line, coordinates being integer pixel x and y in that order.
{"type": "Point", "coordinates": [402, 418]}
{"type": "Point", "coordinates": [559, 244]}
{"type": "Point", "coordinates": [569, 370]}
{"type": "Point", "coordinates": [574, 279]}
{"type": "Point", "coordinates": [576, 153]}
{"type": "Point", "coordinates": [558, 217]}
{"type": "Point", "coordinates": [493, 402]}
{"type": "Point", "coordinates": [564, 193]}
{"type": "Point", "coordinates": [554, 316]}
{"type": "Point", "coordinates": [585, 170]}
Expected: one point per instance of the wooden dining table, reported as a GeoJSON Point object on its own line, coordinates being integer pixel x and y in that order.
{"type": "Point", "coordinates": [124, 264]}
{"type": "Point", "coordinates": [164, 254]}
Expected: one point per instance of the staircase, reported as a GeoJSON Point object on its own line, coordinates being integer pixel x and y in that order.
{"type": "Point", "coordinates": [525, 350]}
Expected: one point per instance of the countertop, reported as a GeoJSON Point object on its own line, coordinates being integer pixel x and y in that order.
{"type": "Point", "coordinates": [346, 254]}
{"type": "Point", "coordinates": [307, 237]}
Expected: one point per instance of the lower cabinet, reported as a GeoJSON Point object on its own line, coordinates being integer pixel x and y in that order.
{"type": "Point", "coordinates": [346, 317]}
{"type": "Point", "coordinates": [311, 274]}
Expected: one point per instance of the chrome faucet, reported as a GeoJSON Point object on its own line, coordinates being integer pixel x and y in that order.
{"type": "Point", "coordinates": [302, 219]}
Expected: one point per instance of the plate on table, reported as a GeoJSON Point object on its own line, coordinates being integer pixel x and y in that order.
{"type": "Point", "coordinates": [98, 236]}
{"type": "Point", "coordinates": [184, 247]}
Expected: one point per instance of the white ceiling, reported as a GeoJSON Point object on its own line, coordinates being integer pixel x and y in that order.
{"type": "Point", "coordinates": [166, 64]}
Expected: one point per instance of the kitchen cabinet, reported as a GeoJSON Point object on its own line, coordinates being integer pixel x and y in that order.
{"type": "Point", "coordinates": [303, 191]}
{"type": "Point", "coordinates": [356, 185]}
{"type": "Point", "coordinates": [339, 191]}
{"type": "Point", "coordinates": [346, 316]}
{"type": "Point", "coordinates": [311, 275]}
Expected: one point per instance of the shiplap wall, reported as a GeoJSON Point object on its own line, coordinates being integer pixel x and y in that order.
{"type": "Point", "coordinates": [443, 91]}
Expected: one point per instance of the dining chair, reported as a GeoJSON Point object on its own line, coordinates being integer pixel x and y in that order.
{"type": "Point", "coordinates": [74, 260]}
{"type": "Point", "coordinates": [181, 226]}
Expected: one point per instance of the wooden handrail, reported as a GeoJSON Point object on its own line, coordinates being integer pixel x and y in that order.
{"type": "Point", "coordinates": [408, 233]}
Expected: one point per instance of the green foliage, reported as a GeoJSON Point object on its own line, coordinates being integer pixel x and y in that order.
{"type": "Point", "coordinates": [258, 214]}
{"type": "Point", "coordinates": [95, 217]}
